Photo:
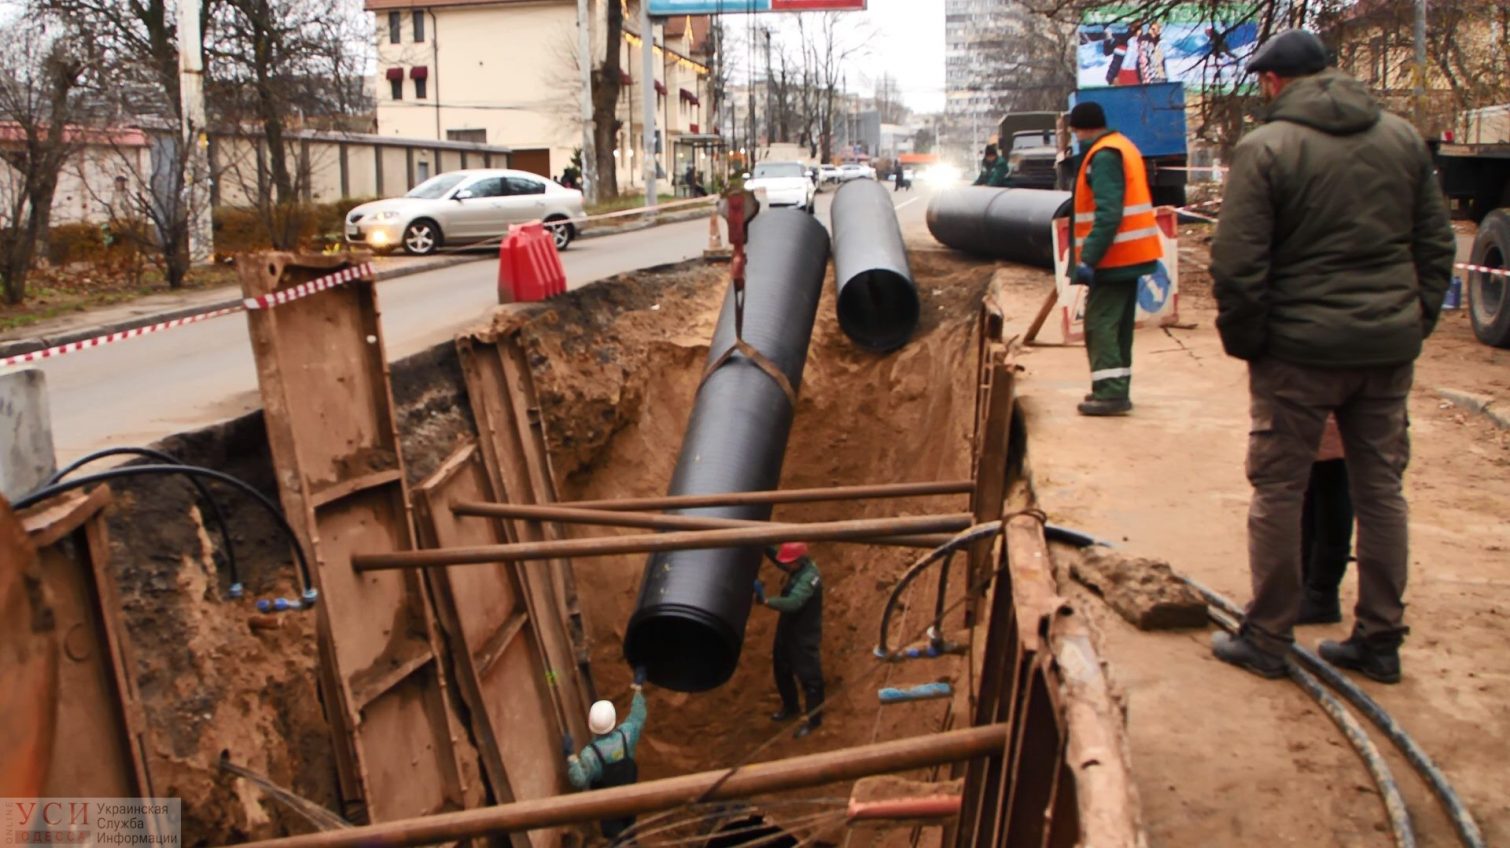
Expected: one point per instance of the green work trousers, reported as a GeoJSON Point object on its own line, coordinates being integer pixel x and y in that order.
{"type": "Point", "coordinates": [1111, 307]}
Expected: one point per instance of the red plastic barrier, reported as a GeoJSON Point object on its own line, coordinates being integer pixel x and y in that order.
{"type": "Point", "coordinates": [529, 267]}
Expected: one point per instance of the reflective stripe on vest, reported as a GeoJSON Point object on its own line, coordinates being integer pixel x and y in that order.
{"type": "Point", "coordinates": [1137, 239]}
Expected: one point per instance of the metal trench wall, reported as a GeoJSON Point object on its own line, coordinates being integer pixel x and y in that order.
{"type": "Point", "coordinates": [688, 626]}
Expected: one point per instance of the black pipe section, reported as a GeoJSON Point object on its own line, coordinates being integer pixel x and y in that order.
{"type": "Point", "coordinates": [877, 298]}
{"type": "Point", "coordinates": [1016, 224]}
{"type": "Point", "coordinates": [688, 626]}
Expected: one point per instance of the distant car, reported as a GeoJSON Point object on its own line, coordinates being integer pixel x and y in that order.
{"type": "Point", "coordinates": [828, 174]}
{"type": "Point", "coordinates": [783, 184]}
{"type": "Point", "coordinates": [855, 171]}
{"type": "Point", "coordinates": [459, 207]}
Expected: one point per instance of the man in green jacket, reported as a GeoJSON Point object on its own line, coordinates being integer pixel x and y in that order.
{"type": "Point", "coordinates": [797, 652]}
{"type": "Point", "coordinates": [993, 169]}
{"type": "Point", "coordinates": [1330, 262]}
{"type": "Point", "coordinates": [1111, 305]}
{"type": "Point", "coordinates": [608, 760]}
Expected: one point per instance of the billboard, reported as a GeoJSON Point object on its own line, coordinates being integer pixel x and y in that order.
{"type": "Point", "coordinates": [713, 7]}
{"type": "Point", "coordinates": [1204, 47]}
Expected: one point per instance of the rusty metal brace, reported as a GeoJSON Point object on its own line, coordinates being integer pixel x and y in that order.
{"type": "Point", "coordinates": [740, 207]}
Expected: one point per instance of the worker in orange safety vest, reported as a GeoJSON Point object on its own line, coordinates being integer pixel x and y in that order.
{"type": "Point", "coordinates": [1116, 243]}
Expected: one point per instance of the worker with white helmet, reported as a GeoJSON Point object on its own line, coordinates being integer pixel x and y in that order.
{"type": "Point", "coordinates": [797, 653]}
{"type": "Point", "coordinates": [608, 760]}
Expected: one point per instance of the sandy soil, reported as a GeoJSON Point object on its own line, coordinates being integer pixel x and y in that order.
{"type": "Point", "coordinates": [1222, 757]}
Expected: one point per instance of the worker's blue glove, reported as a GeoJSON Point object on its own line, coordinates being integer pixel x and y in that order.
{"type": "Point", "coordinates": [1084, 275]}
{"type": "Point", "coordinates": [568, 748]}
{"type": "Point", "coordinates": [639, 675]}
{"type": "Point", "coordinates": [759, 591]}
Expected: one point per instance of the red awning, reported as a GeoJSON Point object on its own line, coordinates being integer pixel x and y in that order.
{"type": "Point", "coordinates": [660, 87]}
{"type": "Point", "coordinates": [624, 78]}
{"type": "Point", "coordinates": [395, 74]}
{"type": "Point", "coordinates": [419, 72]}
{"type": "Point", "coordinates": [693, 128]}
{"type": "Point", "coordinates": [690, 97]}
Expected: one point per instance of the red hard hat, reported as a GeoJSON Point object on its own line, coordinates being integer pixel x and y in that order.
{"type": "Point", "coordinates": [790, 552]}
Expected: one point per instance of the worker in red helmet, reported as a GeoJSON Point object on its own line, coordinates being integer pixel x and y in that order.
{"type": "Point", "coordinates": [797, 654]}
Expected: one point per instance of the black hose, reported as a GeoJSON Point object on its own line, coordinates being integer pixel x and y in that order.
{"type": "Point", "coordinates": [939, 603]}
{"type": "Point", "coordinates": [56, 489]}
{"type": "Point", "coordinates": [1389, 790]}
{"type": "Point", "coordinates": [216, 515]}
{"type": "Point", "coordinates": [1056, 533]}
{"type": "Point", "coordinates": [979, 531]}
{"type": "Point", "coordinates": [1457, 811]}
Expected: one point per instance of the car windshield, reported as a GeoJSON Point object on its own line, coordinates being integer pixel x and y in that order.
{"type": "Point", "coordinates": [436, 187]}
{"type": "Point", "coordinates": [1033, 139]}
{"type": "Point", "coordinates": [769, 170]}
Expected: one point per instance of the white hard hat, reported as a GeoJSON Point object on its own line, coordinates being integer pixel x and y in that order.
{"type": "Point", "coordinates": [602, 717]}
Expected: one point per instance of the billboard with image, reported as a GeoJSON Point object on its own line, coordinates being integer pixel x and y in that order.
{"type": "Point", "coordinates": [1204, 47]}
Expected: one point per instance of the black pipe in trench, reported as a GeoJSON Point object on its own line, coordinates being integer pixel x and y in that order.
{"type": "Point", "coordinates": [1003, 223]}
{"type": "Point", "coordinates": [689, 622]}
{"type": "Point", "coordinates": [877, 298]}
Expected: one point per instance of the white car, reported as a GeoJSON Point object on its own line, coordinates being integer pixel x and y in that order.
{"type": "Point", "coordinates": [783, 184]}
{"type": "Point", "coordinates": [464, 206]}
{"type": "Point", "coordinates": [828, 174]}
{"type": "Point", "coordinates": [855, 171]}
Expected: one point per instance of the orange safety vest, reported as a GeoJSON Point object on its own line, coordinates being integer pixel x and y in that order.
{"type": "Point", "coordinates": [1137, 240]}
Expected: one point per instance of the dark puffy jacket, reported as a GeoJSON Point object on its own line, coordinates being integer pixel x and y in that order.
{"type": "Point", "coordinates": [1334, 247]}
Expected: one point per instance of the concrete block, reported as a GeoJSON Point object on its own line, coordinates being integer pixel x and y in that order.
{"type": "Point", "coordinates": [1471, 401]}
{"type": "Point", "coordinates": [26, 452]}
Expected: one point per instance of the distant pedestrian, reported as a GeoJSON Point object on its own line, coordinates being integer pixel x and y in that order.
{"type": "Point", "coordinates": [1116, 242]}
{"type": "Point", "coordinates": [993, 169]}
{"type": "Point", "coordinates": [797, 655]}
{"type": "Point", "coordinates": [1330, 262]}
{"type": "Point", "coordinates": [608, 760]}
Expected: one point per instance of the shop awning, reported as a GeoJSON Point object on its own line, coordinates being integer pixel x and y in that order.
{"type": "Point", "coordinates": [395, 74]}
{"type": "Point", "coordinates": [660, 87]}
{"type": "Point", "coordinates": [419, 72]}
{"type": "Point", "coordinates": [690, 97]}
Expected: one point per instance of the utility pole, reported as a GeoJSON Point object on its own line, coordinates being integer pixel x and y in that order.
{"type": "Point", "coordinates": [770, 111]}
{"type": "Point", "coordinates": [195, 154]}
{"type": "Point", "coordinates": [647, 51]}
{"type": "Point", "coordinates": [584, 48]}
{"type": "Point", "coordinates": [1420, 73]}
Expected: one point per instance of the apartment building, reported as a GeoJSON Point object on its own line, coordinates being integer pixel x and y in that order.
{"type": "Point", "coordinates": [977, 93]}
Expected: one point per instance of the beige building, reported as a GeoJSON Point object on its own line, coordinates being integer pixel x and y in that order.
{"type": "Point", "coordinates": [507, 73]}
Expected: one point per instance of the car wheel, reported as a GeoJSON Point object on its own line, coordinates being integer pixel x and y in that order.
{"type": "Point", "coordinates": [1489, 294]}
{"type": "Point", "coordinates": [561, 233]}
{"type": "Point", "coordinates": [421, 238]}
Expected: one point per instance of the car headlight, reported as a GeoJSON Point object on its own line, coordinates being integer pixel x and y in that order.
{"type": "Point", "coordinates": [389, 215]}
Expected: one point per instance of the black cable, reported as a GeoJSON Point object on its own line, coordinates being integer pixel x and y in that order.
{"type": "Point", "coordinates": [204, 494]}
{"type": "Point", "coordinates": [974, 534]}
{"type": "Point", "coordinates": [56, 489]}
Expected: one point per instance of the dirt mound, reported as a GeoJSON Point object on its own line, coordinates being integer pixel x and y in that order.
{"type": "Point", "coordinates": [616, 387]}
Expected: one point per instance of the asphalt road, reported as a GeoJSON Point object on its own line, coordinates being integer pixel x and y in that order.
{"type": "Point", "coordinates": [138, 391]}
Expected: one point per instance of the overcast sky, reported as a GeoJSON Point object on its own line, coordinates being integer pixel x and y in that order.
{"type": "Point", "coordinates": [904, 38]}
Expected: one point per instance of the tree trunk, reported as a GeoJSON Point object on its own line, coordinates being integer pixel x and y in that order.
{"type": "Point", "coordinates": [605, 104]}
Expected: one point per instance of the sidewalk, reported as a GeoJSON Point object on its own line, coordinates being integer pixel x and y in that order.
{"type": "Point", "coordinates": [156, 308]}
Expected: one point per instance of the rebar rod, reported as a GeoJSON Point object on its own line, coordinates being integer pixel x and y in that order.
{"type": "Point", "coordinates": [780, 496]}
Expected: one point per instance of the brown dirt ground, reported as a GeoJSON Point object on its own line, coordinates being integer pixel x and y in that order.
{"type": "Point", "coordinates": [1222, 757]}
{"type": "Point", "coordinates": [617, 383]}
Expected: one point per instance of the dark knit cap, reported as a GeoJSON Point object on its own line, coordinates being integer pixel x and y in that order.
{"type": "Point", "coordinates": [1088, 116]}
{"type": "Point", "coordinates": [990, 150]}
{"type": "Point", "coordinates": [1292, 53]}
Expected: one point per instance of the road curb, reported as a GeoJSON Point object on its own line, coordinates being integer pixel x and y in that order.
{"type": "Point", "coordinates": [1492, 408]}
{"type": "Point", "coordinates": [17, 347]}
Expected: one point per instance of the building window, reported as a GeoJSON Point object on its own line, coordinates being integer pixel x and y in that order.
{"type": "Point", "coordinates": [419, 26]}
{"type": "Point", "coordinates": [419, 88]}
{"type": "Point", "coordinates": [396, 88]}
{"type": "Point", "coordinates": [474, 136]}
{"type": "Point", "coordinates": [395, 27]}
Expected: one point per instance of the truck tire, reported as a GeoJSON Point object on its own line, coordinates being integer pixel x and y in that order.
{"type": "Point", "coordinates": [1489, 294]}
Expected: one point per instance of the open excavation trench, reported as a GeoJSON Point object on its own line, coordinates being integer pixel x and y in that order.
{"type": "Point", "coordinates": [617, 369]}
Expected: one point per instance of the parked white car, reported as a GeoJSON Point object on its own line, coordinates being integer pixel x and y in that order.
{"type": "Point", "coordinates": [459, 207]}
{"type": "Point", "coordinates": [828, 174]}
{"type": "Point", "coordinates": [855, 171]}
{"type": "Point", "coordinates": [783, 184]}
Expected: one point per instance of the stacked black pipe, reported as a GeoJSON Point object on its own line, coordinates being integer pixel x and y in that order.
{"type": "Point", "coordinates": [688, 626]}
{"type": "Point", "coordinates": [877, 298]}
{"type": "Point", "coordinates": [1004, 223]}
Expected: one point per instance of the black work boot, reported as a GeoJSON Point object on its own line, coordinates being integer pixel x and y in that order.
{"type": "Point", "coordinates": [1376, 659]}
{"type": "Point", "coordinates": [1106, 406]}
{"type": "Point", "coordinates": [1319, 608]}
{"type": "Point", "coordinates": [784, 713]}
{"type": "Point", "coordinates": [1241, 652]}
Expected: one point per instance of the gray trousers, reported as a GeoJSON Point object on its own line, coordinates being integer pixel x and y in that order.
{"type": "Point", "coordinates": [1290, 404]}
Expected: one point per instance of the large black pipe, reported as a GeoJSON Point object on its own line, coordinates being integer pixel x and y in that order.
{"type": "Point", "coordinates": [1004, 223]}
{"type": "Point", "coordinates": [877, 298]}
{"type": "Point", "coordinates": [688, 625]}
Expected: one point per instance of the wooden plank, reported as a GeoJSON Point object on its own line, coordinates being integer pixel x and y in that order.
{"type": "Point", "coordinates": [28, 664]}
{"type": "Point", "coordinates": [331, 426]}
{"type": "Point", "coordinates": [498, 661]}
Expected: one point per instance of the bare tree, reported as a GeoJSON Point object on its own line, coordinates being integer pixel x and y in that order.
{"type": "Point", "coordinates": [605, 102]}
{"type": "Point", "coordinates": [827, 48]}
{"type": "Point", "coordinates": [41, 99]}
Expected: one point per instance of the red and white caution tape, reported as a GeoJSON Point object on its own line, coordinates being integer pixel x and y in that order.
{"type": "Point", "coordinates": [1482, 269]}
{"type": "Point", "coordinates": [265, 302]}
